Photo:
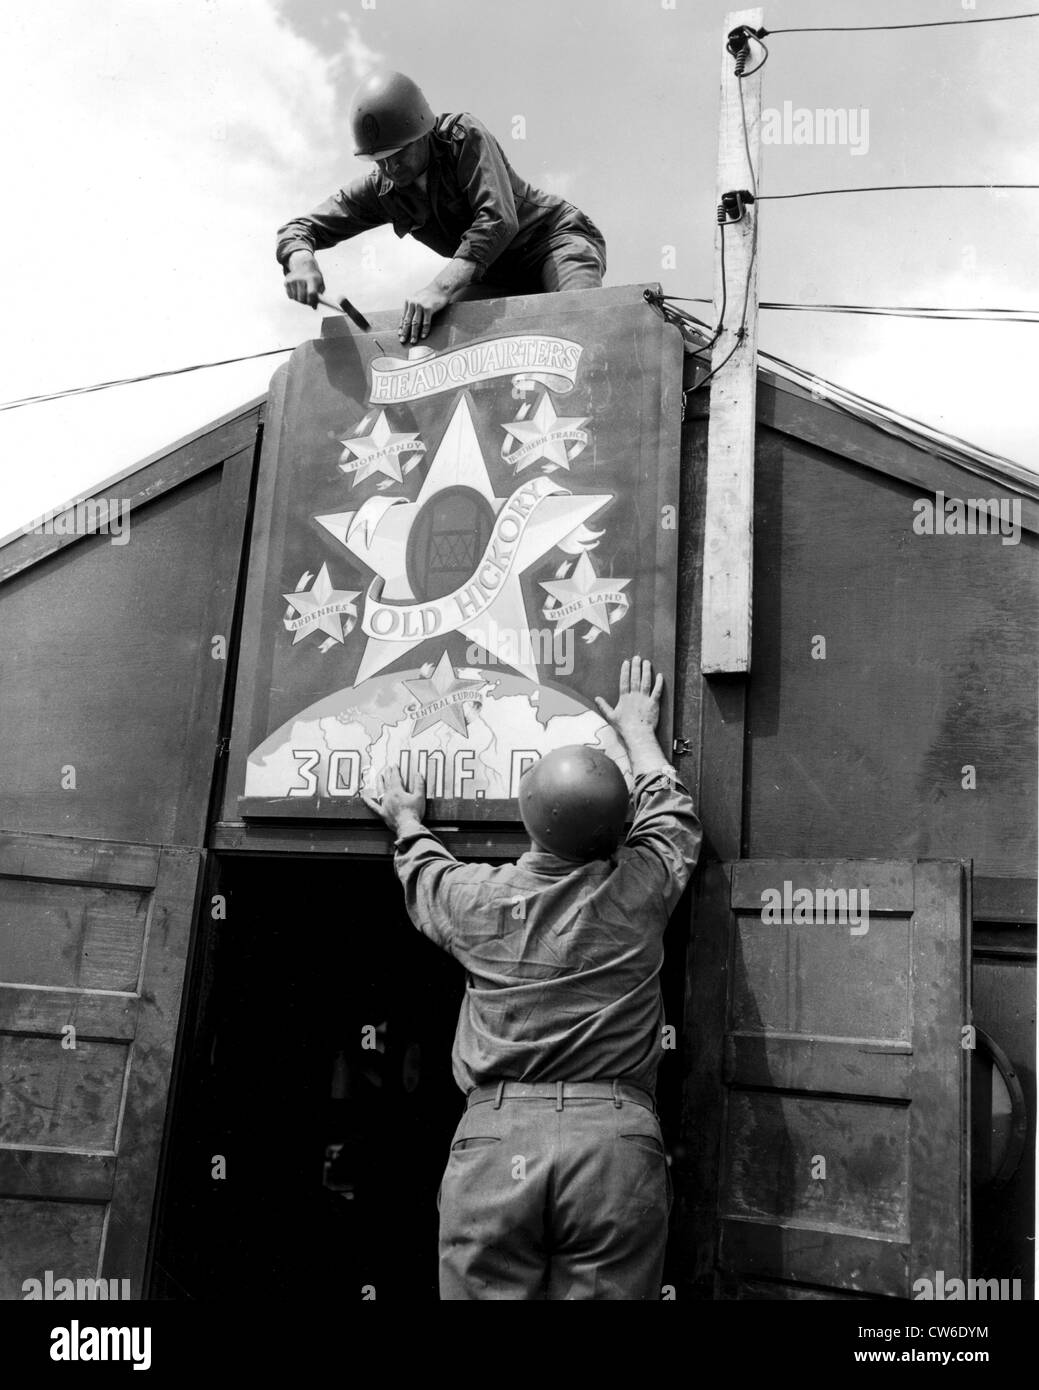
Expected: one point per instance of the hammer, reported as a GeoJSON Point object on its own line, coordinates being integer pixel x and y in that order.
{"type": "Point", "coordinates": [345, 307]}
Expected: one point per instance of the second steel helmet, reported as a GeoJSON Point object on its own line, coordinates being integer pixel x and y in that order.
{"type": "Point", "coordinates": [388, 110]}
{"type": "Point", "coordinates": [574, 802]}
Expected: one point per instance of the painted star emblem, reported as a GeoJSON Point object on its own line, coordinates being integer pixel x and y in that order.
{"type": "Point", "coordinates": [377, 452]}
{"type": "Point", "coordinates": [584, 583]}
{"type": "Point", "coordinates": [443, 682]}
{"type": "Point", "coordinates": [377, 533]}
{"type": "Point", "coordinates": [320, 595]}
{"type": "Point", "coordinates": [533, 431]}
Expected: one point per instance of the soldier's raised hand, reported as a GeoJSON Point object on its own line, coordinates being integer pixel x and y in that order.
{"type": "Point", "coordinates": [638, 704]}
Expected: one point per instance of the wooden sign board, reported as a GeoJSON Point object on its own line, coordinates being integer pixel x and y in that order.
{"type": "Point", "coordinates": [455, 547]}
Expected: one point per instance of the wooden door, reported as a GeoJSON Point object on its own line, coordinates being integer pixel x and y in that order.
{"type": "Point", "coordinates": [93, 940]}
{"type": "Point", "coordinates": [114, 661]}
{"type": "Point", "coordinates": [827, 1110]}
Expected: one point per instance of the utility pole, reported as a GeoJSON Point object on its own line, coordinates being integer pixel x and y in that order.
{"type": "Point", "coordinates": [729, 520]}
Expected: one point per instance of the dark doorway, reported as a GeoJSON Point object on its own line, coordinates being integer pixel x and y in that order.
{"type": "Point", "coordinates": [316, 1064]}
{"type": "Point", "coordinates": [320, 1069]}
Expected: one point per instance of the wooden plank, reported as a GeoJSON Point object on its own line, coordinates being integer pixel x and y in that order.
{"type": "Point", "coordinates": [786, 1250]}
{"type": "Point", "coordinates": [475, 842]}
{"type": "Point", "coordinates": [144, 1117]}
{"type": "Point", "coordinates": [695, 1218]}
{"type": "Point", "coordinates": [248, 692]}
{"type": "Point", "coordinates": [63, 1176]}
{"type": "Point", "coordinates": [889, 881]}
{"type": "Point", "coordinates": [70, 935]}
{"type": "Point", "coordinates": [774, 1290]}
{"type": "Point", "coordinates": [821, 979]}
{"type": "Point", "coordinates": [688, 692]}
{"type": "Point", "coordinates": [210, 676]}
{"type": "Point", "coordinates": [63, 857]}
{"type": "Point", "coordinates": [846, 1066]}
{"type": "Point", "coordinates": [45, 1012]}
{"type": "Point", "coordinates": [53, 1097]}
{"type": "Point", "coordinates": [1004, 899]}
{"type": "Point", "coordinates": [141, 483]}
{"type": "Point", "coordinates": [940, 1113]}
{"type": "Point", "coordinates": [774, 1142]}
{"type": "Point", "coordinates": [728, 545]}
{"type": "Point", "coordinates": [63, 1237]}
{"type": "Point", "coordinates": [722, 739]}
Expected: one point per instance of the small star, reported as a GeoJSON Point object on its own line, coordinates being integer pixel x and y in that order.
{"type": "Point", "coordinates": [534, 433]}
{"type": "Point", "coordinates": [584, 583]}
{"type": "Point", "coordinates": [434, 688]}
{"type": "Point", "coordinates": [378, 451]}
{"type": "Point", "coordinates": [320, 595]}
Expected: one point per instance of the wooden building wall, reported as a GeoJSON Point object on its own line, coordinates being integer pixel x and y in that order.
{"type": "Point", "coordinates": [111, 691]}
{"type": "Point", "coordinates": [930, 667]}
{"type": "Point", "coordinates": [108, 667]}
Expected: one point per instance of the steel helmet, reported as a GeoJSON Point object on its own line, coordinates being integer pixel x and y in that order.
{"type": "Point", "coordinates": [388, 110]}
{"type": "Point", "coordinates": [573, 802]}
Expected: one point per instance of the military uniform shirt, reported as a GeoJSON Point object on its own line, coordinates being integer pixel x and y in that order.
{"type": "Point", "coordinates": [475, 205]}
{"type": "Point", "coordinates": [562, 959]}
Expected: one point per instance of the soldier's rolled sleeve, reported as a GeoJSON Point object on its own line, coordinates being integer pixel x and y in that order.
{"type": "Point", "coordinates": [352, 210]}
{"type": "Point", "coordinates": [484, 176]}
{"type": "Point", "coordinates": [663, 844]}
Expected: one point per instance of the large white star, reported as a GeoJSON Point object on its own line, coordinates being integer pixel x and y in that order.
{"type": "Point", "coordinates": [377, 533]}
{"type": "Point", "coordinates": [320, 595]}
{"type": "Point", "coordinates": [584, 583]}
{"type": "Point", "coordinates": [378, 451]}
{"type": "Point", "coordinates": [536, 429]}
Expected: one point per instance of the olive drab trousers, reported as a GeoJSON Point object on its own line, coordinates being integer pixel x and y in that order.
{"type": "Point", "coordinates": [555, 1191]}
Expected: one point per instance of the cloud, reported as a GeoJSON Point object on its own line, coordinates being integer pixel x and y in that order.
{"type": "Point", "coordinates": [361, 58]}
{"type": "Point", "coordinates": [160, 147]}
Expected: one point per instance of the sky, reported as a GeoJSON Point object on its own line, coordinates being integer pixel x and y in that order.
{"type": "Point", "coordinates": [155, 146]}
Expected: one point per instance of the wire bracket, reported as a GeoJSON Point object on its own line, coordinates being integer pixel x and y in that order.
{"type": "Point", "coordinates": [733, 205]}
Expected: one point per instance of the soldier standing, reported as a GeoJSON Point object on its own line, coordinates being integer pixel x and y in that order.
{"type": "Point", "coordinates": [557, 1184]}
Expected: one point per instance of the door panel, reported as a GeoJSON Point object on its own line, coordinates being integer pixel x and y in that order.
{"type": "Point", "coordinates": [827, 1113]}
{"type": "Point", "coordinates": [93, 937]}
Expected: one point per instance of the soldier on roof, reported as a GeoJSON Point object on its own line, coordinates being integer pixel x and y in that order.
{"type": "Point", "coordinates": [445, 181]}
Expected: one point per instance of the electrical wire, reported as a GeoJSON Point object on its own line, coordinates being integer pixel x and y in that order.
{"type": "Point", "coordinates": [877, 28]}
{"type": "Point", "coordinates": [45, 396]}
{"type": "Point", "coordinates": [742, 330]}
{"type": "Point", "coordinates": [937, 312]}
{"type": "Point", "coordinates": [887, 188]}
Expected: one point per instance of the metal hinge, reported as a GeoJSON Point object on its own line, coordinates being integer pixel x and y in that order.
{"type": "Point", "coordinates": [681, 746]}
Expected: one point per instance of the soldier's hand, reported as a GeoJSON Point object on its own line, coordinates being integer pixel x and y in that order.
{"type": "Point", "coordinates": [419, 309]}
{"type": "Point", "coordinates": [304, 281]}
{"type": "Point", "coordinates": [393, 801]}
{"type": "Point", "coordinates": [638, 704]}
